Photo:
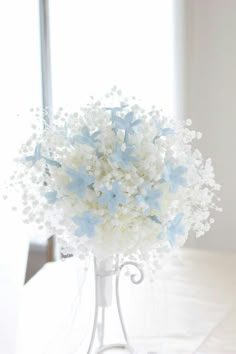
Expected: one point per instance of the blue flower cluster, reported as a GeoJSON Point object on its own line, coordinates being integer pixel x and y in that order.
{"type": "Point", "coordinates": [124, 156]}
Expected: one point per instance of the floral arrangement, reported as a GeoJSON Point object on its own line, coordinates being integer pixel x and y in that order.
{"type": "Point", "coordinates": [114, 178]}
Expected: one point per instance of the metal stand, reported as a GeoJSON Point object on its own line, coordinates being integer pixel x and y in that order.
{"type": "Point", "coordinates": [136, 278]}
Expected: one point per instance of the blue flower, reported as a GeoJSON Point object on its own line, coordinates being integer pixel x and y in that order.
{"type": "Point", "coordinates": [87, 138]}
{"type": "Point", "coordinates": [112, 198]}
{"type": "Point", "coordinates": [175, 228]}
{"type": "Point", "coordinates": [174, 176]}
{"type": "Point", "coordinates": [151, 199]}
{"type": "Point", "coordinates": [114, 111]}
{"type": "Point", "coordinates": [114, 116]}
{"type": "Point", "coordinates": [123, 158]}
{"type": "Point", "coordinates": [36, 156]}
{"type": "Point", "coordinates": [51, 197]}
{"type": "Point", "coordinates": [80, 181]}
{"type": "Point", "coordinates": [127, 124]}
{"type": "Point", "coordinates": [87, 223]}
{"type": "Point", "coordinates": [162, 131]}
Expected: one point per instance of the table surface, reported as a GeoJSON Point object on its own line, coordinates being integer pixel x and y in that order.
{"type": "Point", "coordinates": [189, 309]}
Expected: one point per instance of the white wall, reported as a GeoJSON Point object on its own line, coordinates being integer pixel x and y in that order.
{"type": "Point", "coordinates": [211, 100]}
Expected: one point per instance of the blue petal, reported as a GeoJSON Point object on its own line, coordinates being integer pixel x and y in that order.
{"type": "Point", "coordinates": [86, 138]}
{"type": "Point", "coordinates": [51, 197]}
{"type": "Point", "coordinates": [175, 229]}
{"type": "Point", "coordinates": [112, 198]}
{"type": "Point", "coordinates": [37, 155]}
{"type": "Point", "coordinates": [151, 199]}
{"type": "Point", "coordinates": [173, 176]}
{"type": "Point", "coordinates": [52, 162]}
{"type": "Point", "coordinates": [123, 158]}
{"type": "Point", "coordinates": [80, 181]}
{"type": "Point", "coordinates": [167, 131]}
{"type": "Point", "coordinates": [155, 219]}
{"type": "Point", "coordinates": [127, 124]}
{"type": "Point", "coordinates": [87, 223]}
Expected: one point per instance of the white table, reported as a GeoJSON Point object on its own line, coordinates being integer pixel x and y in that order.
{"type": "Point", "coordinates": [191, 308]}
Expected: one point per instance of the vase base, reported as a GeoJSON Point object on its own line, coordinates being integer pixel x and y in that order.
{"type": "Point", "coordinates": [101, 275]}
{"type": "Point", "coordinates": [116, 346]}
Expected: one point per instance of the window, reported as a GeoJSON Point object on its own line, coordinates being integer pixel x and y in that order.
{"type": "Point", "coordinates": [98, 44]}
{"type": "Point", "coordinates": [20, 89]}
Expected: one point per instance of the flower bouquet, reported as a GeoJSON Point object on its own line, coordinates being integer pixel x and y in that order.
{"type": "Point", "coordinates": [116, 179]}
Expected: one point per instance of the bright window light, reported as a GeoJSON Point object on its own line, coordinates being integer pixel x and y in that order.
{"type": "Point", "coordinates": [98, 44]}
{"type": "Point", "coordinates": [19, 91]}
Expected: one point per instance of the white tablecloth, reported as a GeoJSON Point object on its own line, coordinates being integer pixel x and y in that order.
{"type": "Point", "coordinates": [190, 309]}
